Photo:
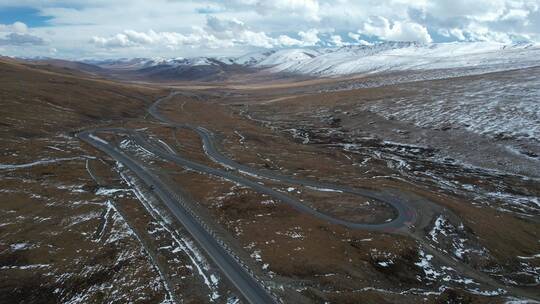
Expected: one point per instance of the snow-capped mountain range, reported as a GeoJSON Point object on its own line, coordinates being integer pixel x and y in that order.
{"type": "Point", "coordinates": [398, 56]}
{"type": "Point", "coordinates": [347, 60]}
{"type": "Point", "coordinates": [141, 63]}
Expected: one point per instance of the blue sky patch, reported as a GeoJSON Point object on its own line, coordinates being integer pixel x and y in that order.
{"type": "Point", "coordinates": [28, 16]}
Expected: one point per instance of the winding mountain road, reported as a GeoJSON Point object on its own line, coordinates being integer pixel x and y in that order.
{"type": "Point", "coordinates": [405, 214]}
{"type": "Point", "coordinates": [251, 288]}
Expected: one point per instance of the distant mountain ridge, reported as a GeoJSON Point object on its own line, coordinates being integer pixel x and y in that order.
{"type": "Point", "coordinates": [139, 63]}
{"type": "Point", "coordinates": [399, 56]}
{"type": "Point", "coordinates": [326, 62]}
{"type": "Point", "coordinates": [169, 69]}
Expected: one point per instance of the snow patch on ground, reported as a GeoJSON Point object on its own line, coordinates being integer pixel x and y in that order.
{"type": "Point", "coordinates": [129, 145]}
{"type": "Point", "coordinates": [21, 246]}
{"type": "Point", "coordinates": [444, 232]}
{"type": "Point", "coordinates": [109, 192]}
{"type": "Point", "coordinates": [444, 275]}
{"type": "Point", "coordinates": [98, 139]}
{"type": "Point", "coordinates": [293, 233]}
{"type": "Point", "coordinates": [324, 189]}
{"type": "Point", "coordinates": [425, 263]}
{"type": "Point", "coordinates": [36, 163]}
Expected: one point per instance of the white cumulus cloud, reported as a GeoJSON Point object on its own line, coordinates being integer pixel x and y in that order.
{"type": "Point", "coordinates": [396, 30]}
{"type": "Point", "coordinates": [337, 40]}
{"type": "Point", "coordinates": [16, 27]}
{"type": "Point", "coordinates": [217, 33]}
{"type": "Point", "coordinates": [16, 34]}
{"type": "Point", "coordinates": [309, 37]}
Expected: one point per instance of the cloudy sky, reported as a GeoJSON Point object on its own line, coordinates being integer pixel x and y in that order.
{"type": "Point", "coordinates": [84, 29]}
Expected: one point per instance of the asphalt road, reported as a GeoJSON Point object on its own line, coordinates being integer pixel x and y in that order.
{"type": "Point", "coordinates": [247, 285]}
{"type": "Point", "coordinates": [405, 214]}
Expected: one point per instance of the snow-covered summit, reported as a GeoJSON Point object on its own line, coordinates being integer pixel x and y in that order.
{"type": "Point", "coordinates": [141, 63]}
{"type": "Point", "coordinates": [397, 56]}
